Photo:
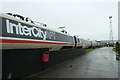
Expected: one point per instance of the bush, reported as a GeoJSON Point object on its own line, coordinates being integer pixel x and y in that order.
{"type": "Point", "coordinates": [117, 47]}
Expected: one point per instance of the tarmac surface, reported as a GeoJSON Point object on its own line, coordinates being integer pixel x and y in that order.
{"type": "Point", "coordinates": [99, 63]}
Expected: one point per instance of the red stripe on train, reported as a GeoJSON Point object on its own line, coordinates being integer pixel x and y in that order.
{"type": "Point", "coordinates": [28, 41]}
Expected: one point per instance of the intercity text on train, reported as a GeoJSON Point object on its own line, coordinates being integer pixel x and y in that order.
{"type": "Point", "coordinates": [19, 29]}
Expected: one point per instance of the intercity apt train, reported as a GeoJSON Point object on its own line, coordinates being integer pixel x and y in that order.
{"type": "Point", "coordinates": [18, 32]}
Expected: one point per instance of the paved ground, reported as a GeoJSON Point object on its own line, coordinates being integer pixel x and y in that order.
{"type": "Point", "coordinates": [99, 63]}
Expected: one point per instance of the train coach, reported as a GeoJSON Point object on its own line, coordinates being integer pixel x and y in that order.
{"type": "Point", "coordinates": [90, 44]}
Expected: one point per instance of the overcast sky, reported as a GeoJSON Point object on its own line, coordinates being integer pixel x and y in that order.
{"type": "Point", "coordinates": [87, 18]}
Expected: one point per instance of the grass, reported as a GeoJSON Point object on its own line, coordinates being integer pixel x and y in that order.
{"type": "Point", "coordinates": [89, 50]}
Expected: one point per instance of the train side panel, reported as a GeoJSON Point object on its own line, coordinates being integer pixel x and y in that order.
{"type": "Point", "coordinates": [20, 35]}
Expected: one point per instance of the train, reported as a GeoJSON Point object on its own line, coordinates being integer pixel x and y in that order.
{"type": "Point", "coordinates": [18, 32]}
{"type": "Point", "coordinates": [29, 47]}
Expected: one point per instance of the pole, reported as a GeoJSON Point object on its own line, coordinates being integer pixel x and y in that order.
{"type": "Point", "coordinates": [111, 32]}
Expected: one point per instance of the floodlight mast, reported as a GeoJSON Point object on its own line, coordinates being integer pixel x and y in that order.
{"type": "Point", "coordinates": [110, 31]}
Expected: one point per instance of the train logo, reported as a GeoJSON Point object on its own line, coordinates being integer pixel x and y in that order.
{"type": "Point", "coordinates": [20, 29]}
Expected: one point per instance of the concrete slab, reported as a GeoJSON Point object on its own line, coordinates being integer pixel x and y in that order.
{"type": "Point", "coordinates": [99, 63]}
